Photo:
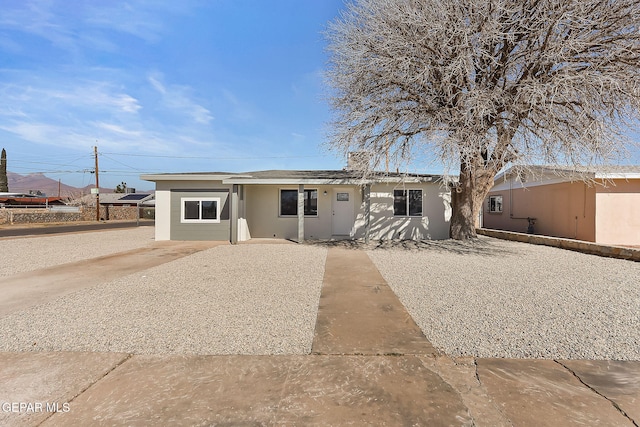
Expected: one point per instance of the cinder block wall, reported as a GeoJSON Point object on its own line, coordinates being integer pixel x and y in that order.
{"type": "Point", "coordinates": [45, 216]}
{"type": "Point", "coordinates": [36, 216]}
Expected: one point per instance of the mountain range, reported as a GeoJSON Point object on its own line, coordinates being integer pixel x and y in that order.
{"type": "Point", "coordinates": [52, 188]}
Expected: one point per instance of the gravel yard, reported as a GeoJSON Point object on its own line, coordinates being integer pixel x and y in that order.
{"type": "Point", "coordinates": [490, 298]}
{"type": "Point", "coordinates": [32, 253]}
{"type": "Point", "coordinates": [245, 299]}
{"type": "Point", "coordinates": [498, 298]}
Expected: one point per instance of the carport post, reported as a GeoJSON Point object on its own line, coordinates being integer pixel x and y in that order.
{"type": "Point", "coordinates": [367, 212]}
{"type": "Point", "coordinates": [234, 214]}
{"type": "Point", "coordinates": [301, 213]}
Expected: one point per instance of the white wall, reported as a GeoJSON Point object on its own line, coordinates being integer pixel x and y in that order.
{"type": "Point", "coordinates": [262, 204]}
{"type": "Point", "coordinates": [163, 212]}
{"type": "Point", "coordinates": [262, 213]}
{"type": "Point", "coordinates": [433, 225]}
{"type": "Point", "coordinates": [618, 213]}
{"type": "Point", "coordinates": [243, 227]}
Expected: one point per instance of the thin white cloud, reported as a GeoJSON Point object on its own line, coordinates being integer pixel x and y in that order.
{"type": "Point", "coordinates": [74, 113]}
{"type": "Point", "coordinates": [78, 25]}
{"type": "Point", "coordinates": [118, 129]}
{"type": "Point", "coordinates": [178, 99]}
{"type": "Point", "coordinates": [127, 103]}
{"type": "Point", "coordinates": [80, 136]}
{"type": "Point", "coordinates": [141, 18]}
{"type": "Point", "coordinates": [239, 110]}
{"type": "Point", "coordinates": [38, 18]}
{"type": "Point", "coordinates": [157, 85]}
{"type": "Point", "coordinates": [30, 131]}
{"type": "Point", "coordinates": [91, 95]}
{"type": "Point", "coordinates": [134, 18]}
{"type": "Point", "coordinates": [201, 115]}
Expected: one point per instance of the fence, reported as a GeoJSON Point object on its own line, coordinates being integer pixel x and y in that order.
{"type": "Point", "coordinates": [40, 215]}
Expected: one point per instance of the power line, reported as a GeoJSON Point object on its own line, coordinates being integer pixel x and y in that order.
{"type": "Point", "coordinates": [112, 159]}
{"type": "Point", "coordinates": [216, 158]}
{"type": "Point", "coordinates": [132, 171]}
{"type": "Point", "coordinates": [45, 163]}
{"type": "Point", "coordinates": [49, 171]}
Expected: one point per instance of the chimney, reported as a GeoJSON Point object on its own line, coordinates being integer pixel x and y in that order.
{"type": "Point", "coordinates": [358, 160]}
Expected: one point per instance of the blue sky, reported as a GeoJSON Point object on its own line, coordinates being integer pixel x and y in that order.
{"type": "Point", "coordinates": [164, 86]}
{"type": "Point", "coordinates": [159, 86]}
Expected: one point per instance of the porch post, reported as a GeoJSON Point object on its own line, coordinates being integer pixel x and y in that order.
{"type": "Point", "coordinates": [234, 214]}
{"type": "Point", "coordinates": [301, 213]}
{"type": "Point", "coordinates": [367, 212]}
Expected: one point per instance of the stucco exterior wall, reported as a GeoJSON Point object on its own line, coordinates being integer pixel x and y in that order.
{"type": "Point", "coordinates": [262, 209]}
{"type": "Point", "coordinates": [166, 211]}
{"type": "Point", "coordinates": [433, 225]}
{"type": "Point", "coordinates": [263, 213]}
{"type": "Point", "coordinates": [259, 216]}
{"type": "Point", "coordinates": [561, 210]}
{"type": "Point", "coordinates": [216, 231]}
{"type": "Point", "coordinates": [163, 212]}
{"type": "Point", "coordinates": [618, 213]}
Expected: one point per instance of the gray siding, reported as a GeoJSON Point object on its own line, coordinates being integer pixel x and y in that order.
{"type": "Point", "coordinates": [206, 231]}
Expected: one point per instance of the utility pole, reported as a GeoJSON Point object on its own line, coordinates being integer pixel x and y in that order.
{"type": "Point", "coordinates": [95, 152]}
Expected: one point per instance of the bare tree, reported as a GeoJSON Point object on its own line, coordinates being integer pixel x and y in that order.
{"type": "Point", "coordinates": [484, 83]}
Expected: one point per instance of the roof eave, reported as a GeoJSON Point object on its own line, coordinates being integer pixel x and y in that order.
{"type": "Point", "coordinates": [184, 177]}
{"type": "Point", "coordinates": [249, 179]}
{"type": "Point", "coordinates": [622, 175]}
{"type": "Point", "coordinates": [326, 181]}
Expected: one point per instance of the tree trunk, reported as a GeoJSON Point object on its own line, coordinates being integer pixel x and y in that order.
{"type": "Point", "coordinates": [466, 201]}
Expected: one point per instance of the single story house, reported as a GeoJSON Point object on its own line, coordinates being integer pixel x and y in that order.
{"type": "Point", "coordinates": [126, 199]}
{"type": "Point", "coordinates": [558, 202]}
{"type": "Point", "coordinates": [28, 200]}
{"type": "Point", "coordinates": [125, 206]}
{"type": "Point", "coordinates": [299, 205]}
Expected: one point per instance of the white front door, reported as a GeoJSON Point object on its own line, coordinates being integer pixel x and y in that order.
{"type": "Point", "coordinates": [342, 207]}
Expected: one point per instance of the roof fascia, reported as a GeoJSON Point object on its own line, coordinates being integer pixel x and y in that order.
{"type": "Point", "coordinates": [183, 177]}
{"type": "Point", "coordinates": [323, 181]}
{"type": "Point", "coordinates": [622, 175]}
{"type": "Point", "coordinates": [248, 179]}
{"type": "Point", "coordinates": [289, 181]}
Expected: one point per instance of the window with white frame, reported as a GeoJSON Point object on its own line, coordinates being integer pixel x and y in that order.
{"type": "Point", "coordinates": [200, 209]}
{"type": "Point", "coordinates": [495, 204]}
{"type": "Point", "coordinates": [289, 202]}
{"type": "Point", "coordinates": [407, 202]}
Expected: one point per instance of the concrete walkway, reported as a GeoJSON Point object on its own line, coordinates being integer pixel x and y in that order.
{"type": "Point", "coordinates": [370, 366]}
{"type": "Point", "coordinates": [360, 314]}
